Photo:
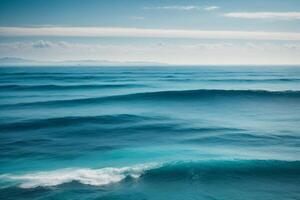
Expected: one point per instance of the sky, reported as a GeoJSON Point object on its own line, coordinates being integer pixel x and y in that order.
{"type": "Point", "coordinates": [175, 32]}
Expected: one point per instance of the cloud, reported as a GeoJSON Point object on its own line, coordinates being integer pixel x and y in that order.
{"type": "Point", "coordinates": [144, 33]}
{"type": "Point", "coordinates": [211, 8]}
{"type": "Point", "coordinates": [265, 15]}
{"type": "Point", "coordinates": [42, 44]}
{"type": "Point", "coordinates": [38, 45]}
{"type": "Point", "coordinates": [35, 45]}
{"type": "Point", "coordinates": [183, 8]}
{"type": "Point", "coordinates": [201, 52]}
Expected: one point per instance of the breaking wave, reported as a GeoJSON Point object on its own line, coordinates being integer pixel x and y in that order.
{"type": "Point", "coordinates": [180, 170]}
{"type": "Point", "coordinates": [95, 177]}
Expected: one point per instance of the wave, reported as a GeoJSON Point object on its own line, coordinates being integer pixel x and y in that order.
{"type": "Point", "coordinates": [135, 122]}
{"type": "Point", "coordinates": [175, 95]}
{"type": "Point", "coordinates": [65, 87]}
{"type": "Point", "coordinates": [238, 80]}
{"type": "Point", "coordinates": [68, 76]}
{"type": "Point", "coordinates": [66, 121]}
{"type": "Point", "coordinates": [204, 93]}
{"type": "Point", "coordinates": [227, 80]}
{"type": "Point", "coordinates": [244, 138]}
{"type": "Point", "coordinates": [226, 169]}
{"type": "Point", "coordinates": [96, 177]}
{"type": "Point", "coordinates": [181, 170]}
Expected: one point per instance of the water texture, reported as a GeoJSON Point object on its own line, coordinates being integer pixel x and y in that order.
{"type": "Point", "coordinates": [150, 133]}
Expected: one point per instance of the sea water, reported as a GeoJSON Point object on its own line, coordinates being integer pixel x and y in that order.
{"type": "Point", "coordinates": [150, 133]}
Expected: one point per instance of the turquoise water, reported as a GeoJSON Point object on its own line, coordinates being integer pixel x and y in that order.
{"type": "Point", "coordinates": [150, 133]}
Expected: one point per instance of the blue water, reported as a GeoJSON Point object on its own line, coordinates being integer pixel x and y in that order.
{"type": "Point", "coordinates": [160, 133]}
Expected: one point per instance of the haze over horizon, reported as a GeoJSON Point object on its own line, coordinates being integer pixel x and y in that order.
{"type": "Point", "coordinates": [175, 32]}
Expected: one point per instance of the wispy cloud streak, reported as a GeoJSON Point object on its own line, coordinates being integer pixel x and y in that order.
{"type": "Point", "coordinates": [144, 33]}
{"type": "Point", "coordinates": [211, 8]}
{"type": "Point", "coordinates": [265, 15]}
{"type": "Point", "coordinates": [183, 8]}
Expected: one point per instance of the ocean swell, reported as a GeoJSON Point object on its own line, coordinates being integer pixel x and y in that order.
{"type": "Point", "coordinates": [176, 95]}
{"type": "Point", "coordinates": [49, 87]}
{"type": "Point", "coordinates": [213, 170]}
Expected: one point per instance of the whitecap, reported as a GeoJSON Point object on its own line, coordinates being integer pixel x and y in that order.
{"type": "Point", "coordinates": [95, 177]}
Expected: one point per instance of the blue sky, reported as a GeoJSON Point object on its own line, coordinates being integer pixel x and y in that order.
{"type": "Point", "coordinates": [177, 32]}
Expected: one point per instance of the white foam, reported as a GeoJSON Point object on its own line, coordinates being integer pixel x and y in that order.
{"type": "Point", "coordinates": [95, 177]}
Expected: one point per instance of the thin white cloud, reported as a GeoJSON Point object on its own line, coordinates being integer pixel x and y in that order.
{"type": "Point", "coordinates": [265, 15]}
{"type": "Point", "coordinates": [145, 33]}
{"type": "Point", "coordinates": [183, 8]}
{"type": "Point", "coordinates": [211, 8]}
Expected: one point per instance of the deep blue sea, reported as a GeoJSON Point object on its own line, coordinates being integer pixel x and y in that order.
{"type": "Point", "coordinates": [155, 133]}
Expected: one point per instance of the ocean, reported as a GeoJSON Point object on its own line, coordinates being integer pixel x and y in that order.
{"type": "Point", "coordinates": [137, 133]}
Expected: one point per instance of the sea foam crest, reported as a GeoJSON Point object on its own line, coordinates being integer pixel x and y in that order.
{"type": "Point", "coordinates": [95, 177]}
